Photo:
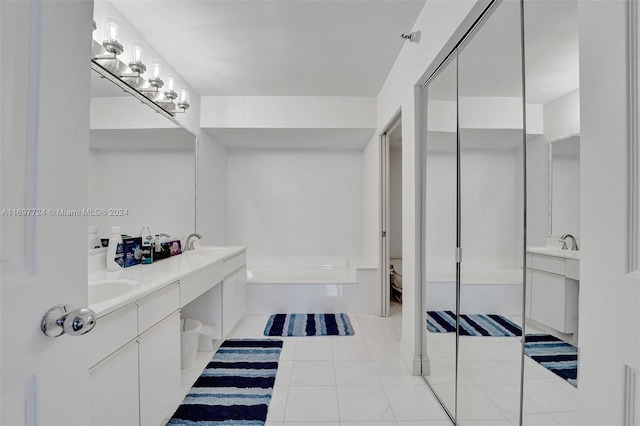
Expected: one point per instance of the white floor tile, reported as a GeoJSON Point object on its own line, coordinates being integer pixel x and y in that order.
{"type": "Point", "coordinates": [414, 402]}
{"type": "Point", "coordinates": [473, 404]}
{"type": "Point", "coordinates": [360, 403]}
{"type": "Point", "coordinates": [487, 372]}
{"type": "Point", "coordinates": [312, 373]}
{"type": "Point", "coordinates": [384, 350]}
{"type": "Point", "coordinates": [349, 350]}
{"type": "Point", "coordinates": [566, 419]}
{"type": "Point", "coordinates": [549, 397]}
{"type": "Point", "coordinates": [314, 349]}
{"type": "Point", "coordinates": [283, 374]}
{"type": "Point", "coordinates": [356, 373]}
{"type": "Point", "coordinates": [278, 403]}
{"type": "Point", "coordinates": [538, 420]}
{"type": "Point", "coordinates": [372, 321]}
{"type": "Point", "coordinates": [507, 399]}
{"type": "Point", "coordinates": [379, 334]}
{"type": "Point", "coordinates": [394, 372]}
{"type": "Point", "coordinates": [312, 404]}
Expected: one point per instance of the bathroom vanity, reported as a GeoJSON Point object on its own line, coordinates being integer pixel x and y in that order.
{"type": "Point", "coordinates": [135, 376]}
{"type": "Point", "coordinates": [553, 276]}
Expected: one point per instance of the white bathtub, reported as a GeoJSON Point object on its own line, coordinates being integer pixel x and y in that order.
{"type": "Point", "coordinates": [310, 284]}
{"type": "Point", "coordinates": [301, 270]}
{"type": "Point", "coordinates": [482, 290]}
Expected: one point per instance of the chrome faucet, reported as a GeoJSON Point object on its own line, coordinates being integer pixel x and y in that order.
{"type": "Point", "coordinates": [574, 243]}
{"type": "Point", "coordinates": [189, 241]}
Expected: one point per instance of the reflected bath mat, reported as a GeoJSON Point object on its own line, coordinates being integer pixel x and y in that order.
{"type": "Point", "coordinates": [309, 325]}
{"type": "Point", "coordinates": [555, 355]}
{"type": "Point", "coordinates": [236, 386]}
{"type": "Point", "coordinates": [472, 324]}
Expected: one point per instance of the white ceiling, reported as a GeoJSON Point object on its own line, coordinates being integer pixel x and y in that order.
{"type": "Point", "coordinates": [277, 47]}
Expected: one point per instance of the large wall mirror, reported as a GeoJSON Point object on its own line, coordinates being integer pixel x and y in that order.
{"type": "Point", "coordinates": [142, 165]}
{"type": "Point", "coordinates": [564, 189]}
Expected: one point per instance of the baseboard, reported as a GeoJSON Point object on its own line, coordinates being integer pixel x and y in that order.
{"type": "Point", "coordinates": [413, 362]}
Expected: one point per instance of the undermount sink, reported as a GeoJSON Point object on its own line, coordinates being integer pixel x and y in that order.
{"type": "Point", "coordinates": [100, 291]}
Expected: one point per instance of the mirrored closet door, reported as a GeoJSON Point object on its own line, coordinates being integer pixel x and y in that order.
{"type": "Point", "coordinates": [473, 222]}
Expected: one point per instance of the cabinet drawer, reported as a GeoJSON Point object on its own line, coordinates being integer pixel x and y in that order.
{"type": "Point", "coordinates": [158, 305]}
{"type": "Point", "coordinates": [573, 269]}
{"type": "Point", "coordinates": [112, 332]}
{"type": "Point", "coordinates": [551, 264]}
{"type": "Point", "coordinates": [199, 282]}
{"type": "Point", "coordinates": [230, 265]}
{"type": "Point", "coordinates": [241, 259]}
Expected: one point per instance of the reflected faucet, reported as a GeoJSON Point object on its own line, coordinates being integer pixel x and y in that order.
{"type": "Point", "coordinates": [189, 241]}
{"type": "Point", "coordinates": [574, 243]}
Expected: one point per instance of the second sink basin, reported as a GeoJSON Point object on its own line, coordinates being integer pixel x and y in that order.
{"type": "Point", "coordinates": [100, 291]}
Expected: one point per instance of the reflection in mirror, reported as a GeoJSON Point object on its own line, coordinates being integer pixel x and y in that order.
{"type": "Point", "coordinates": [553, 190]}
{"type": "Point", "coordinates": [141, 166]}
{"type": "Point", "coordinates": [565, 186]}
{"type": "Point", "coordinates": [490, 90]}
{"type": "Point", "coordinates": [440, 234]}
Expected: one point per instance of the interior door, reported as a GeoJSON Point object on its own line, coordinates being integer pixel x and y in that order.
{"type": "Point", "coordinates": [45, 143]}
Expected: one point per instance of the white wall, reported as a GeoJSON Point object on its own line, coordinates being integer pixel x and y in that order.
{"type": "Point", "coordinates": [562, 116]}
{"type": "Point", "coordinates": [156, 187]}
{"type": "Point", "coordinates": [290, 112]}
{"type": "Point", "coordinates": [294, 202]}
{"type": "Point", "coordinates": [437, 21]}
{"type": "Point", "coordinates": [537, 191]}
{"type": "Point", "coordinates": [370, 201]}
{"type": "Point", "coordinates": [395, 201]}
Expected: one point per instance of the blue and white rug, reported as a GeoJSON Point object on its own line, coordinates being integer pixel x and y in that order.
{"type": "Point", "coordinates": [472, 324]}
{"type": "Point", "coordinates": [236, 386]}
{"type": "Point", "coordinates": [555, 355]}
{"type": "Point", "coordinates": [309, 325]}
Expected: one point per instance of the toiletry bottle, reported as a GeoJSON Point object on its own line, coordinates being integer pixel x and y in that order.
{"type": "Point", "coordinates": [158, 247]}
{"type": "Point", "coordinates": [115, 250]}
{"type": "Point", "coordinates": [147, 252]}
{"type": "Point", "coordinates": [94, 240]}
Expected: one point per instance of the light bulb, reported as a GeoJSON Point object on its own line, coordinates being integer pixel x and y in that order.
{"type": "Point", "coordinates": [170, 87]}
{"type": "Point", "coordinates": [136, 57]}
{"type": "Point", "coordinates": [112, 35]}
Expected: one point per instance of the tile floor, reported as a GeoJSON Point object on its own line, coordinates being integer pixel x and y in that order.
{"type": "Point", "coordinates": [360, 380]}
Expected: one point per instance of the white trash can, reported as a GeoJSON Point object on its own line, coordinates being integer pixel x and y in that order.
{"type": "Point", "coordinates": [189, 338]}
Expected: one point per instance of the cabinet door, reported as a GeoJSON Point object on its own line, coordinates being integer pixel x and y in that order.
{"type": "Point", "coordinates": [229, 304]}
{"type": "Point", "coordinates": [241, 283]}
{"type": "Point", "coordinates": [113, 385]}
{"type": "Point", "coordinates": [160, 371]}
{"type": "Point", "coordinates": [548, 300]}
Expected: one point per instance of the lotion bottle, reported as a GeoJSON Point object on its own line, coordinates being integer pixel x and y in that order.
{"type": "Point", "coordinates": [115, 251]}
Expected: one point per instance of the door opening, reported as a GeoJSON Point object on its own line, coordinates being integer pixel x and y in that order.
{"type": "Point", "coordinates": [391, 216]}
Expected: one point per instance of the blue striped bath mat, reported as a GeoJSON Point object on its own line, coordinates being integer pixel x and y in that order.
{"type": "Point", "coordinates": [472, 324]}
{"type": "Point", "coordinates": [557, 356]}
{"type": "Point", "coordinates": [235, 388]}
{"type": "Point", "coordinates": [309, 325]}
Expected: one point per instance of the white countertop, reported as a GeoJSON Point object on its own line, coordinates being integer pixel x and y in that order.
{"type": "Point", "coordinates": [555, 251]}
{"type": "Point", "coordinates": [152, 277]}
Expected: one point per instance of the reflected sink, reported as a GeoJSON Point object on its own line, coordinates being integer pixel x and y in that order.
{"type": "Point", "coordinates": [100, 291]}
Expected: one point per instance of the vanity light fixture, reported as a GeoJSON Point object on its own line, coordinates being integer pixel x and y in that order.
{"type": "Point", "coordinates": [106, 57]}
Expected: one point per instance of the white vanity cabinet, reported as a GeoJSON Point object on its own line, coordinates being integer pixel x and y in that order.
{"type": "Point", "coordinates": [234, 291]}
{"type": "Point", "coordinates": [135, 353]}
{"type": "Point", "coordinates": [552, 291]}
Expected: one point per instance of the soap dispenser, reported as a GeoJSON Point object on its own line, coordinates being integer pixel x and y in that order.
{"type": "Point", "coordinates": [115, 251]}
